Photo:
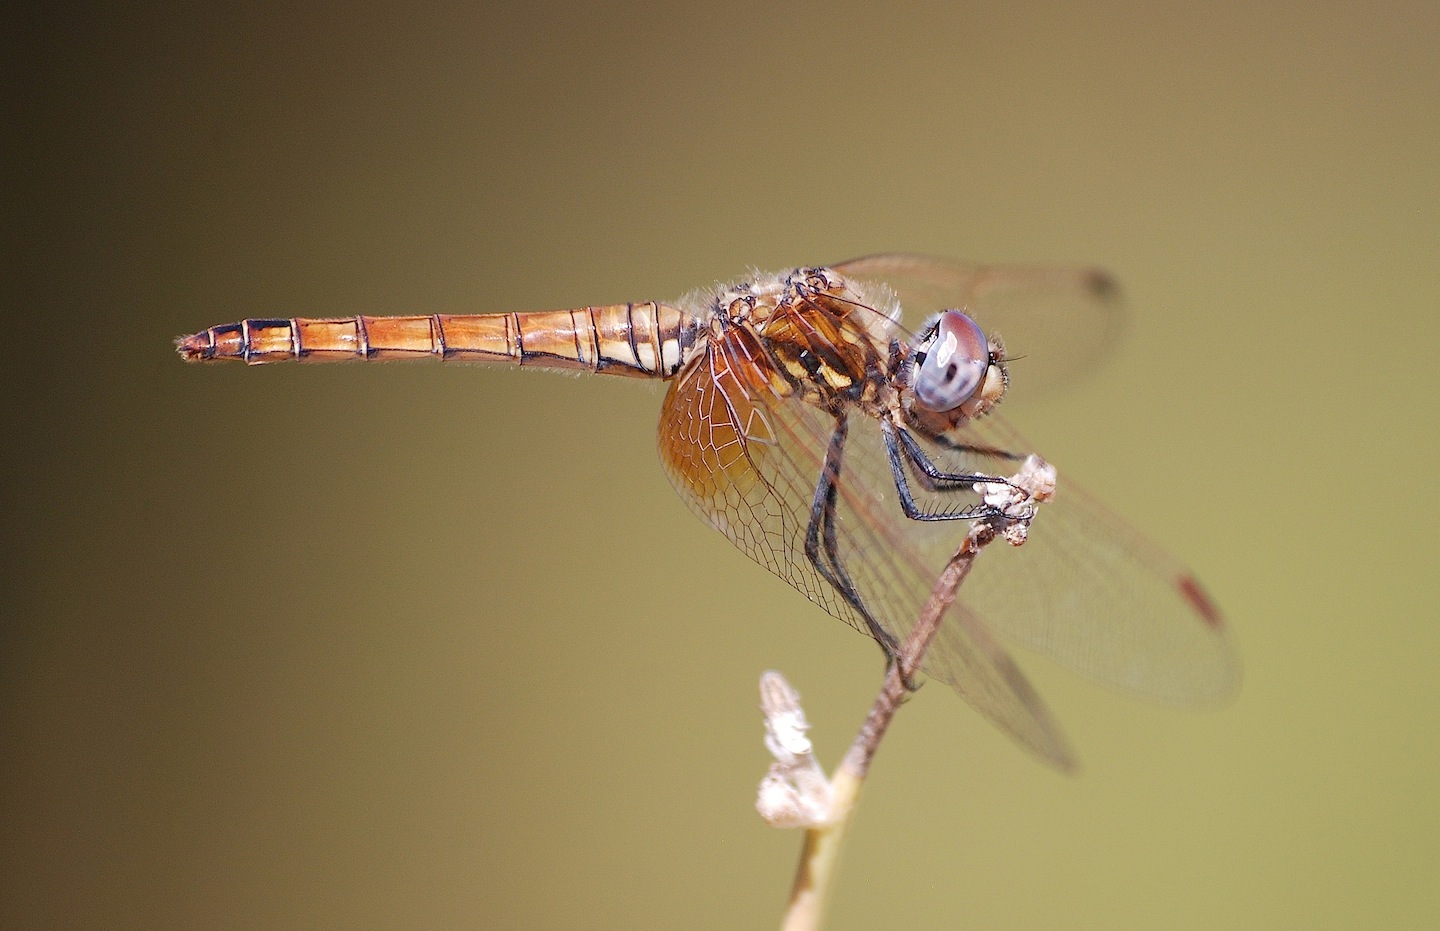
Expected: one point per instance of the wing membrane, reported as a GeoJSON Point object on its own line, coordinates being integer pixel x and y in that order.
{"type": "Point", "coordinates": [1091, 592]}
{"type": "Point", "coordinates": [1058, 323]}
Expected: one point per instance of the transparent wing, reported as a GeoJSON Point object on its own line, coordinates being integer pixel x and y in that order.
{"type": "Point", "coordinates": [1087, 589]}
{"type": "Point", "coordinates": [747, 462]}
{"type": "Point", "coordinates": [1057, 323]}
{"type": "Point", "coordinates": [1091, 592]}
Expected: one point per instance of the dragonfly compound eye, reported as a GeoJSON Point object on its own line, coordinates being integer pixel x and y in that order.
{"type": "Point", "coordinates": [954, 365]}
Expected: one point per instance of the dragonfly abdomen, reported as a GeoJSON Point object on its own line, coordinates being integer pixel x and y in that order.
{"type": "Point", "coordinates": [646, 340]}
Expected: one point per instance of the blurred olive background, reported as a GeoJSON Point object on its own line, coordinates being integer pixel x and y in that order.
{"type": "Point", "coordinates": [437, 647]}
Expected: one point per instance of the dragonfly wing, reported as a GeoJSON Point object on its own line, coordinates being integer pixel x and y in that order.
{"type": "Point", "coordinates": [1056, 323]}
{"type": "Point", "coordinates": [746, 458]}
{"type": "Point", "coordinates": [718, 444]}
{"type": "Point", "coordinates": [1091, 592]}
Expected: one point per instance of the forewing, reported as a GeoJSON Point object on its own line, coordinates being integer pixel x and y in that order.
{"type": "Point", "coordinates": [1091, 592]}
{"type": "Point", "coordinates": [747, 458]}
{"type": "Point", "coordinates": [1057, 323]}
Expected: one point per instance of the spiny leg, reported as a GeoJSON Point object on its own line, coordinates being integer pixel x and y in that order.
{"type": "Point", "coordinates": [901, 447]}
{"type": "Point", "coordinates": [822, 545]}
{"type": "Point", "coordinates": [929, 470]}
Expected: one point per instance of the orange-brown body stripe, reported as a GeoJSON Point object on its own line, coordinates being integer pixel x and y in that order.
{"type": "Point", "coordinates": [552, 339]}
{"type": "Point", "coordinates": [630, 332]}
{"type": "Point", "coordinates": [595, 338]}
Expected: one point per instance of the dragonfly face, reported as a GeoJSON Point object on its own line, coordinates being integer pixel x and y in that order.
{"type": "Point", "coordinates": [954, 373]}
{"type": "Point", "coordinates": [954, 367]}
{"type": "Point", "coordinates": [845, 453]}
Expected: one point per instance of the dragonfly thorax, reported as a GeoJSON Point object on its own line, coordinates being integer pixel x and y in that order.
{"type": "Point", "coordinates": [822, 336]}
{"type": "Point", "coordinates": [816, 335]}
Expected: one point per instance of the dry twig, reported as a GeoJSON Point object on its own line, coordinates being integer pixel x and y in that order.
{"type": "Point", "coordinates": [826, 810]}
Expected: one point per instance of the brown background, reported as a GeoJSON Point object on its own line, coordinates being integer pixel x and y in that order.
{"type": "Point", "coordinates": [410, 646]}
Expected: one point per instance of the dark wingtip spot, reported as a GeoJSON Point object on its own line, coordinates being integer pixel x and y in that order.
{"type": "Point", "coordinates": [1191, 591]}
{"type": "Point", "coordinates": [1102, 284]}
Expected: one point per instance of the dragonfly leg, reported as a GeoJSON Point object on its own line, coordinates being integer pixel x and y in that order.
{"type": "Point", "coordinates": [935, 474]}
{"type": "Point", "coordinates": [821, 544]}
{"type": "Point", "coordinates": [993, 451]}
{"type": "Point", "coordinates": [900, 448]}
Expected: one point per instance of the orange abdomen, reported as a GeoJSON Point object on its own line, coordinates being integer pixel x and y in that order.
{"type": "Point", "coordinates": [641, 340]}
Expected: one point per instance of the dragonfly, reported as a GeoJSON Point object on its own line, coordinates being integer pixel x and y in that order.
{"type": "Point", "coordinates": [848, 453]}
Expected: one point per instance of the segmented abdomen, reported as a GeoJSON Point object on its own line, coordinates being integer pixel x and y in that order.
{"type": "Point", "coordinates": [646, 340]}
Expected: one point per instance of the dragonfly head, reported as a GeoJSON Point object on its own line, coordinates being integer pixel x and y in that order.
{"type": "Point", "coordinates": [956, 369]}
